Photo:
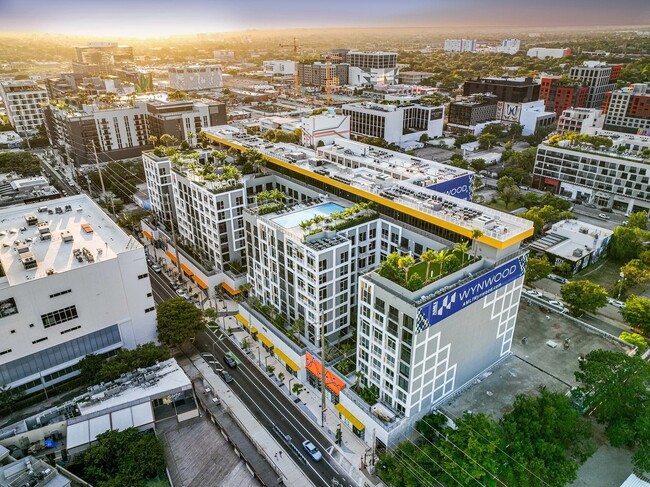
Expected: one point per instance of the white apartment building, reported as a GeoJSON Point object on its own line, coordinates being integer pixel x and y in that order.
{"type": "Point", "coordinates": [158, 175]}
{"type": "Point", "coordinates": [600, 77]}
{"type": "Point", "coordinates": [193, 78]}
{"type": "Point", "coordinates": [324, 128]}
{"type": "Point", "coordinates": [628, 109]}
{"type": "Point", "coordinates": [509, 46]}
{"type": "Point", "coordinates": [394, 123]}
{"type": "Point", "coordinates": [225, 55]}
{"type": "Point", "coordinates": [579, 120]}
{"type": "Point", "coordinates": [605, 178]}
{"type": "Point", "coordinates": [372, 68]}
{"type": "Point", "coordinates": [546, 52]}
{"type": "Point", "coordinates": [24, 100]}
{"type": "Point", "coordinates": [279, 67]}
{"type": "Point", "coordinates": [72, 283]}
{"type": "Point", "coordinates": [460, 45]}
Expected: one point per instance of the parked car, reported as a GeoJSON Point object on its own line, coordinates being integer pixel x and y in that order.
{"type": "Point", "coordinates": [533, 292]}
{"type": "Point", "coordinates": [616, 302]}
{"type": "Point", "coordinates": [556, 278]}
{"type": "Point", "coordinates": [156, 268]}
{"type": "Point", "coordinates": [557, 304]}
{"type": "Point", "coordinates": [604, 209]}
{"type": "Point", "coordinates": [312, 450]}
{"type": "Point", "coordinates": [226, 376]}
{"type": "Point", "coordinates": [230, 362]}
{"type": "Point", "coordinates": [603, 216]}
{"type": "Point", "coordinates": [181, 293]}
{"type": "Point", "coordinates": [590, 205]}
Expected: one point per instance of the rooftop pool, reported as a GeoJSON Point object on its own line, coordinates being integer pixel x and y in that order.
{"type": "Point", "coordinates": [293, 219]}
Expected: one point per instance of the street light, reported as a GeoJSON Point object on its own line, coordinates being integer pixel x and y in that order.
{"type": "Point", "coordinates": [620, 288]}
{"type": "Point", "coordinates": [293, 378]}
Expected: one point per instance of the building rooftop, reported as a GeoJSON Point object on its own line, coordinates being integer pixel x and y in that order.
{"type": "Point", "coordinates": [31, 472]}
{"type": "Point", "coordinates": [572, 239]}
{"type": "Point", "coordinates": [80, 233]}
{"type": "Point", "coordinates": [374, 184]}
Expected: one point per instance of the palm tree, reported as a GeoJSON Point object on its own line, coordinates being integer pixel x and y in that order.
{"type": "Point", "coordinates": [442, 258]}
{"type": "Point", "coordinates": [405, 263]}
{"type": "Point", "coordinates": [476, 234]}
{"type": "Point", "coordinates": [462, 247]}
{"type": "Point", "coordinates": [153, 139]}
{"type": "Point", "coordinates": [429, 257]}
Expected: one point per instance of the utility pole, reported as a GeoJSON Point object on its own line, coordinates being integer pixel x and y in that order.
{"type": "Point", "coordinates": [322, 357]}
{"type": "Point", "coordinates": [178, 259]}
{"type": "Point", "coordinates": [296, 78]}
{"type": "Point", "coordinates": [101, 178]}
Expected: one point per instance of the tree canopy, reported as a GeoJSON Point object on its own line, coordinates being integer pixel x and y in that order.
{"type": "Point", "coordinates": [178, 321]}
{"type": "Point", "coordinates": [637, 313]}
{"type": "Point", "coordinates": [537, 268]}
{"type": "Point", "coordinates": [24, 163]}
{"type": "Point", "coordinates": [627, 243]}
{"type": "Point", "coordinates": [99, 368]}
{"type": "Point", "coordinates": [583, 296]}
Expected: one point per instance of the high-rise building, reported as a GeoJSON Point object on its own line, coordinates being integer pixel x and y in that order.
{"type": "Point", "coordinates": [24, 100]}
{"type": "Point", "coordinates": [560, 94]}
{"type": "Point", "coordinates": [628, 109]}
{"type": "Point", "coordinates": [460, 45]}
{"type": "Point", "coordinates": [369, 67]}
{"type": "Point", "coordinates": [546, 52]}
{"type": "Point", "coordinates": [101, 58]}
{"type": "Point", "coordinates": [599, 77]}
{"type": "Point", "coordinates": [192, 78]}
{"type": "Point", "coordinates": [394, 123]}
{"type": "Point", "coordinates": [509, 46]}
{"type": "Point", "coordinates": [511, 90]}
{"type": "Point", "coordinates": [315, 74]}
{"type": "Point", "coordinates": [122, 130]}
{"type": "Point", "coordinates": [73, 284]}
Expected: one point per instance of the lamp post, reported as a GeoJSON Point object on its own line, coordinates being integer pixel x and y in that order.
{"type": "Point", "coordinates": [620, 288]}
{"type": "Point", "coordinates": [290, 383]}
{"type": "Point", "coordinates": [259, 359]}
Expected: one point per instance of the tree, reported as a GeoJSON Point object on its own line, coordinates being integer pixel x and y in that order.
{"type": "Point", "coordinates": [637, 313]}
{"type": "Point", "coordinates": [100, 368]}
{"type": "Point", "coordinates": [270, 369]}
{"type": "Point", "coordinates": [24, 163]}
{"type": "Point", "coordinates": [125, 457]}
{"type": "Point", "coordinates": [429, 257]}
{"type": "Point", "coordinates": [537, 268]}
{"type": "Point", "coordinates": [583, 296]}
{"type": "Point", "coordinates": [515, 131]}
{"type": "Point", "coordinates": [178, 321]}
{"type": "Point", "coordinates": [508, 190]}
{"type": "Point", "coordinates": [486, 141]}
{"type": "Point", "coordinates": [638, 220]}
{"type": "Point", "coordinates": [477, 164]}
{"type": "Point", "coordinates": [464, 139]}
{"type": "Point", "coordinates": [627, 243]}
{"type": "Point", "coordinates": [281, 377]}
{"type": "Point", "coordinates": [495, 129]}
{"type": "Point", "coordinates": [476, 234]}
{"type": "Point", "coordinates": [297, 389]}
{"type": "Point", "coordinates": [635, 339]}
{"type": "Point", "coordinates": [462, 248]}
{"type": "Point", "coordinates": [405, 263]}
{"type": "Point", "coordinates": [617, 387]}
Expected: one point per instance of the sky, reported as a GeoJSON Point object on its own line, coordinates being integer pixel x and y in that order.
{"type": "Point", "coordinates": [145, 18]}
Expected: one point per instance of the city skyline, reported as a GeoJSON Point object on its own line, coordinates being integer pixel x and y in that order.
{"type": "Point", "coordinates": [162, 19]}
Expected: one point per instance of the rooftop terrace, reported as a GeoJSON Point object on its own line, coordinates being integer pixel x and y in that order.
{"type": "Point", "coordinates": [67, 233]}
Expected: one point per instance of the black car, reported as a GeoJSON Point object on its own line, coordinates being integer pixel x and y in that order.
{"type": "Point", "coordinates": [226, 376]}
{"type": "Point", "coordinates": [230, 361]}
{"type": "Point", "coordinates": [604, 209]}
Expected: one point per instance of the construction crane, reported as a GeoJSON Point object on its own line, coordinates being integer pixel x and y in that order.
{"type": "Point", "coordinates": [328, 76]}
{"type": "Point", "coordinates": [296, 80]}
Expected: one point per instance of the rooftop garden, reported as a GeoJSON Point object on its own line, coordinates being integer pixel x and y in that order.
{"type": "Point", "coordinates": [270, 201]}
{"type": "Point", "coordinates": [432, 266]}
{"type": "Point", "coordinates": [589, 143]}
{"type": "Point", "coordinates": [340, 220]}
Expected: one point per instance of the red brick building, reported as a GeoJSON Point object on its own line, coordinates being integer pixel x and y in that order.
{"type": "Point", "coordinates": [560, 94]}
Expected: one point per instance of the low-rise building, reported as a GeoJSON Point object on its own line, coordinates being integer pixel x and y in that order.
{"type": "Point", "coordinates": [466, 113]}
{"type": "Point", "coordinates": [506, 89]}
{"type": "Point", "coordinates": [73, 283]}
{"type": "Point", "coordinates": [225, 55]}
{"type": "Point", "coordinates": [561, 93]}
{"type": "Point", "coordinates": [30, 471]}
{"type": "Point", "coordinates": [394, 123]}
{"type": "Point", "coordinates": [24, 100]}
{"type": "Point", "coordinates": [413, 77]}
{"type": "Point", "coordinates": [546, 52]}
{"type": "Point", "coordinates": [193, 78]}
{"type": "Point", "coordinates": [279, 67]}
{"type": "Point", "coordinates": [579, 120]}
{"type": "Point", "coordinates": [574, 242]}
{"type": "Point", "coordinates": [509, 46]}
{"type": "Point", "coordinates": [10, 140]}
{"type": "Point", "coordinates": [460, 45]}
{"type": "Point", "coordinates": [324, 128]}
{"type": "Point", "coordinates": [286, 124]}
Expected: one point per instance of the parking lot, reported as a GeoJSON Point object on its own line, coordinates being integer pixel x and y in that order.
{"type": "Point", "coordinates": [434, 154]}
{"type": "Point", "coordinates": [539, 358]}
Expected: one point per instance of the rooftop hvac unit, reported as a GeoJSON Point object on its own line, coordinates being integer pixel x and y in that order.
{"type": "Point", "coordinates": [66, 236]}
{"type": "Point", "coordinates": [31, 219]}
{"type": "Point", "coordinates": [577, 253]}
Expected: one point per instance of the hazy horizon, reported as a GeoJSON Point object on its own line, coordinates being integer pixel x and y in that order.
{"type": "Point", "coordinates": [164, 18]}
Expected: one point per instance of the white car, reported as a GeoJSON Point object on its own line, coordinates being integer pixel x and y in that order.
{"type": "Point", "coordinates": [533, 292]}
{"type": "Point", "coordinates": [558, 304]}
{"type": "Point", "coordinates": [616, 303]}
{"type": "Point", "coordinates": [603, 216]}
{"type": "Point", "coordinates": [156, 268]}
{"type": "Point", "coordinates": [182, 294]}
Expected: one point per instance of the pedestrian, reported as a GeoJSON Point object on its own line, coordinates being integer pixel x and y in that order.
{"type": "Point", "coordinates": [276, 456]}
{"type": "Point", "coordinates": [280, 452]}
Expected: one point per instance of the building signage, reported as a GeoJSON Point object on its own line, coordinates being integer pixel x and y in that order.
{"type": "Point", "coordinates": [449, 303]}
{"type": "Point", "coordinates": [460, 187]}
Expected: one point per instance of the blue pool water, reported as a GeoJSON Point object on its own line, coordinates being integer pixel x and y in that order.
{"type": "Point", "coordinates": [293, 219]}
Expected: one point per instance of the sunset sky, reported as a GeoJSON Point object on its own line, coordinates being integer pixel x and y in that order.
{"type": "Point", "coordinates": [142, 18]}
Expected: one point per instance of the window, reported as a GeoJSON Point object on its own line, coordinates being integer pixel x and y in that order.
{"type": "Point", "coordinates": [59, 316]}
{"type": "Point", "coordinates": [39, 340]}
{"type": "Point", "coordinates": [142, 276]}
{"type": "Point", "coordinates": [379, 305]}
{"type": "Point", "coordinates": [70, 329]}
{"type": "Point", "coordinates": [149, 310]}
{"type": "Point", "coordinates": [5, 351]}
{"type": "Point", "coordinates": [60, 293]}
{"type": "Point", "coordinates": [149, 295]}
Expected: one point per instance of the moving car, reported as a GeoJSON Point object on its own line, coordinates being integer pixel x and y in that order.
{"type": "Point", "coordinates": [230, 362]}
{"type": "Point", "coordinates": [312, 450]}
{"type": "Point", "coordinates": [156, 268]}
{"type": "Point", "coordinates": [533, 292]}
{"type": "Point", "coordinates": [556, 278]}
{"type": "Point", "coordinates": [603, 216]}
{"type": "Point", "coordinates": [616, 302]}
{"type": "Point", "coordinates": [226, 376]}
{"type": "Point", "coordinates": [559, 305]}
{"type": "Point", "coordinates": [181, 293]}
{"type": "Point", "coordinates": [604, 209]}
{"type": "Point", "coordinates": [590, 205]}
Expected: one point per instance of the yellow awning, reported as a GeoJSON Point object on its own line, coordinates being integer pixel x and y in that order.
{"type": "Point", "coordinates": [355, 422]}
{"type": "Point", "coordinates": [242, 320]}
{"type": "Point", "coordinates": [147, 234]}
{"type": "Point", "coordinates": [282, 356]}
{"type": "Point", "coordinates": [253, 330]}
{"type": "Point", "coordinates": [201, 284]}
{"type": "Point", "coordinates": [265, 340]}
{"type": "Point", "coordinates": [231, 291]}
{"type": "Point", "coordinates": [171, 256]}
{"type": "Point", "coordinates": [187, 270]}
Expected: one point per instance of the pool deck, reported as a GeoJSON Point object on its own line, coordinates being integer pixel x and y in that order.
{"type": "Point", "coordinates": [293, 219]}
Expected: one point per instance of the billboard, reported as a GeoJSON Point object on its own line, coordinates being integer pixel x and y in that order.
{"type": "Point", "coordinates": [460, 187]}
{"type": "Point", "coordinates": [453, 301]}
{"type": "Point", "coordinates": [508, 112]}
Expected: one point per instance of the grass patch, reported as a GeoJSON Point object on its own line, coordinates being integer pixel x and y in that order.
{"type": "Point", "coordinates": [606, 273]}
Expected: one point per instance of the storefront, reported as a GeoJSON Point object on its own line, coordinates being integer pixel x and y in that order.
{"type": "Point", "coordinates": [333, 384]}
{"type": "Point", "coordinates": [348, 419]}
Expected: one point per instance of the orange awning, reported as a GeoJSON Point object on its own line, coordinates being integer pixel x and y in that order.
{"type": "Point", "coordinates": [332, 382]}
{"type": "Point", "coordinates": [187, 270]}
{"type": "Point", "coordinates": [171, 256]}
{"type": "Point", "coordinates": [201, 284]}
{"type": "Point", "coordinates": [147, 234]}
{"type": "Point", "coordinates": [231, 291]}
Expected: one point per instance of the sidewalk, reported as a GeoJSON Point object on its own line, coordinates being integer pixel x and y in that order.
{"type": "Point", "coordinates": [352, 449]}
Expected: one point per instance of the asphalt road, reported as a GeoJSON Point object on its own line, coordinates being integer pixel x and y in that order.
{"type": "Point", "coordinates": [267, 403]}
